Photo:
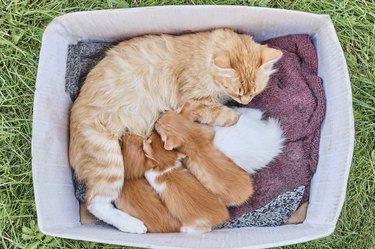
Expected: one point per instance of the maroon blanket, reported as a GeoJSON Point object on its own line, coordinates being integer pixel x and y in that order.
{"type": "Point", "coordinates": [295, 96]}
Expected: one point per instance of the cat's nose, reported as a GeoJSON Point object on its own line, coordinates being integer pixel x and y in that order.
{"type": "Point", "coordinates": [246, 99]}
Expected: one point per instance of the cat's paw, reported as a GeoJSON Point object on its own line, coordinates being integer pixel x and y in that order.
{"type": "Point", "coordinates": [132, 225]}
{"type": "Point", "coordinates": [231, 117]}
{"type": "Point", "coordinates": [216, 115]}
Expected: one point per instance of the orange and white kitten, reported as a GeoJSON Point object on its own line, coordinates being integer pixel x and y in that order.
{"type": "Point", "coordinates": [137, 198]}
{"type": "Point", "coordinates": [217, 172]}
{"type": "Point", "coordinates": [142, 77]}
{"type": "Point", "coordinates": [186, 198]}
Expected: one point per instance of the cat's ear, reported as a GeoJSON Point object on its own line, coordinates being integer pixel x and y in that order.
{"type": "Point", "coordinates": [222, 60]}
{"type": "Point", "coordinates": [269, 55]}
{"type": "Point", "coordinates": [148, 149]}
{"type": "Point", "coordinates": [223, 64]}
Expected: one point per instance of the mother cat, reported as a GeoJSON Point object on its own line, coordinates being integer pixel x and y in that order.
{"type": "Point", "coordinates": [144, 76]}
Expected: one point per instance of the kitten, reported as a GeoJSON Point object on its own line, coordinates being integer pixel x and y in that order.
{"type": "Point", "coordinates": [198, 209]}
{"type": "Point", "coordinates": [144, 76]}
{"type": "Point", "coordinates": [252, 143]}
{"type": "Point", "coordinates": [137, 198]}
{"type": "Point", "coordinates": [213, 169]}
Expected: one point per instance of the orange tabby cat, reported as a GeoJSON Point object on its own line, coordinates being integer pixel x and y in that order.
{"type": "Point", "coordinates": [213, 169]}
{"type": "Point", "coordinates": [198, 209]}
{"type": "Point", "coordinates": [137, 197]}
{"type": "Point", "coordinates": [144, 76]}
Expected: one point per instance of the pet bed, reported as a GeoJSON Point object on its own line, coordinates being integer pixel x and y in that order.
{"type": "Point", "coordinates": [294, 95]}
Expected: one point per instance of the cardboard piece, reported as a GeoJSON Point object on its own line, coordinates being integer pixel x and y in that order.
{"type": "Point", "coordinates": [85, 216]}
{"type": "Point", "coordinates": [57, 208]}
{"type": "Point", "coordinates": [299, 215]}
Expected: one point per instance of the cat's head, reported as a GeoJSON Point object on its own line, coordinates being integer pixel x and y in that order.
{"type": "Point", "coordinates": [240, 66]}
{"type": "Point", "coordinates": [154, 150]}
{"type": "Point", "coordinates": [175, 127]}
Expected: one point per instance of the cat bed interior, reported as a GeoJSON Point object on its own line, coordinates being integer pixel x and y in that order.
{"type": "Point", "coordinates": [294, 96]}
{"type": "Point", "coordinates": [285, 184]}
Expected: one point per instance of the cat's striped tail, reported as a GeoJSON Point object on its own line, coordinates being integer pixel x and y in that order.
{"type": "Point", "coordinates": [96, 158]}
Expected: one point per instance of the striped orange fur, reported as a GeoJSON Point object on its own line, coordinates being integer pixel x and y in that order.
{"type": "Point", "coordinates": [198, 209]}
{"type": "Point", "coordinates": [137, 196]}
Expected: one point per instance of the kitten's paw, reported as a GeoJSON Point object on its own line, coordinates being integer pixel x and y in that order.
{"type": "Point", "coordinates": [132, 225]}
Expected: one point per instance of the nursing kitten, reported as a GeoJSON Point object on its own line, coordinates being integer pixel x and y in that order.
{"type": "Point", "coordinates": [137, 198]}
{"type": "Point", "coordinates": [141, 77]}
{"type": "Point", "coordinates": [217, 172]}
{"type": "Point", "coordinates": [252, 143]}
{"type": "Point", "coordinates": [187, 199]}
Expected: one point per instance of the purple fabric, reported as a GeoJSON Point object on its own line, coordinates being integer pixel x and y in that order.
{"type": "Point", "coordinates": [295, 96]}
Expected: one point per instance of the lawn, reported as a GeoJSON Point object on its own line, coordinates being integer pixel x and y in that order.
{"type": "Point", "coordinates": [21, 28]}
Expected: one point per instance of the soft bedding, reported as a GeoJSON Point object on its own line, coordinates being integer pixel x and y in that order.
{"type": "Point", "coordinates": [294, 95]}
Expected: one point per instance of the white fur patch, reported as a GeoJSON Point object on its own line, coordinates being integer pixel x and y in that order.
{"type": "Point", "coordinates": [103, 209]}
{"type": "Point", "coordinates": [177, 165]}
{"type": "Point", "coordinates": [189, 229]}
{"type": "Point", "coordinates": [151, 176]}
{"type": "Point", "coordinates": [252, 143]}
{"type": "Point", "coordinates": [199, 226]}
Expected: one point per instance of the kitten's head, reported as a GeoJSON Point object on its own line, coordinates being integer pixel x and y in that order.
{"type": "Point", "coordinates": [154, 150]}
{"type": "Point", "coordinates": [241, 66]}
{"type": "Point", "coordinates": [131, 141]}
{"type": "Point", "coordinates": [133, 155]}
{"type": "Point", "coordinates": [175, 127]}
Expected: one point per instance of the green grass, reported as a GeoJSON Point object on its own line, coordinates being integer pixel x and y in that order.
{"type": "Point", "coordinates": [21, 27]}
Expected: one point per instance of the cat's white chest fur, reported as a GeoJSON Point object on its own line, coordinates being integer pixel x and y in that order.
{"type": "Point", "coordinates": [252, 143]}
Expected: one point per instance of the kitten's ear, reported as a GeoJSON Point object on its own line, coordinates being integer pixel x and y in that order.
{"type": "Point", "coordinates": [180, 156]}
{"type": "Point", "coordinates": [186, 109]}
{"type": "Point", "coordinates": [147, 148]}
{"type": "Point", "coordinates": [170, 143]}
{"type": "Point", "coordinates": [269, 54]}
